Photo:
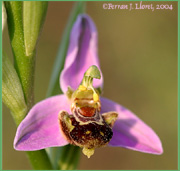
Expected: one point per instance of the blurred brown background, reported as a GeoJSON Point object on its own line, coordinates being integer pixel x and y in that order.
{"type": "Point", "coordinates": [138, 55]}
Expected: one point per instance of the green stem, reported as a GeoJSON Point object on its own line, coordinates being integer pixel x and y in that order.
{"type": "Point", "coordinates": [69, 157]}
{"type": "Point", "coordinates": [24, 65]}
{"type": "Point", "coordinates": [39, 160]}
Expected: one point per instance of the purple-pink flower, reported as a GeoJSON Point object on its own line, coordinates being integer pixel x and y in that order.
{"type": "Point", "coordinates": [40, 129]}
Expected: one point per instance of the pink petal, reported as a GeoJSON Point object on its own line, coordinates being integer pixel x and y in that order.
{"type": "Point", "coordinates": [131, 132]}
{"type": "Point", "coordinates": [40, 129]}
{"type": "Point", "coordinates": [82, 53]}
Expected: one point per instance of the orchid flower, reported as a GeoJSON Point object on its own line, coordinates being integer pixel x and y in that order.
{"type": "Point", "coordinates": [80, 116]}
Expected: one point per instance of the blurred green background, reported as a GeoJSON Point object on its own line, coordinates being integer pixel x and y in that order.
{"type": "Point", "coordinates": [138, 55]}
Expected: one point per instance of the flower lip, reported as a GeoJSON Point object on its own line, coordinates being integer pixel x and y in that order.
{"type": "Point", "coordinates": [88, 134]}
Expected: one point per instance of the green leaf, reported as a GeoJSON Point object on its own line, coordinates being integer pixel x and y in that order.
{"type": "Point", "coordinates": [33, 18]}
{"type": "Point", "coordinates": [12, 93]}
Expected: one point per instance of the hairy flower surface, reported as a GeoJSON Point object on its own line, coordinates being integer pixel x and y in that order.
{"type": "Point", "coordinates": [80, 116]}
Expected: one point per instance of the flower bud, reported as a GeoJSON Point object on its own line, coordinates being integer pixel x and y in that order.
{"type": "Point", "coordinates": [12, 93]}
{"type": "Point", "coordinates": [33, 16]}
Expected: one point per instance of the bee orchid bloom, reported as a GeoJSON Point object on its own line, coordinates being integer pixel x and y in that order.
{"type": "Point", "coordinates": [80, 116]}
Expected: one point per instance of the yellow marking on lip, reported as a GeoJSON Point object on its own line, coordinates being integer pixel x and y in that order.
{"type": "Point", "coordinates": [88, 132]}
{"type": "Point", "coordinates": [102, 133]}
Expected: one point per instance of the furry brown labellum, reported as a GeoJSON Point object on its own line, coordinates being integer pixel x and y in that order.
{"type": "Point", "coordinates": [87, 130]}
